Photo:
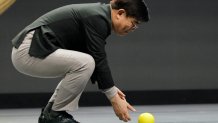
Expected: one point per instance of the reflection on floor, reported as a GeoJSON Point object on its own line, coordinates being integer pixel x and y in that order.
{"type": "Point", "coordinates": [204, 113]}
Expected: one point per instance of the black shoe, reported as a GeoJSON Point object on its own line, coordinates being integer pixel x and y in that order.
{"type": "Point", "coordinates": [49, 116]}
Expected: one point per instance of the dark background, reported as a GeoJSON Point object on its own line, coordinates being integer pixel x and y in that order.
{"type": "Point", "coordinates": [176, 50]}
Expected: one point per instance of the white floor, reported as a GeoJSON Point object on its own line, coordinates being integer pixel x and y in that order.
{"type": "Point", "coordinates": [205, 113]}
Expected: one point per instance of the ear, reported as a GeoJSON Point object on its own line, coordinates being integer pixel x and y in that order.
{"type": "Point", "coordinates": [121, 12]}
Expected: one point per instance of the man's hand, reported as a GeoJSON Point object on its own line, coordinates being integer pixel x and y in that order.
{"type": "Point", "coordinates": [121, 106]}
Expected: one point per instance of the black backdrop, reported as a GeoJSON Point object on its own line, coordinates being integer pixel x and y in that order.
{"type": "Point", "coordinates": [176, 50]}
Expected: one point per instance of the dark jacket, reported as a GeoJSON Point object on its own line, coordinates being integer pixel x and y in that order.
{"type": "Point", "coordinates": [80, 27]}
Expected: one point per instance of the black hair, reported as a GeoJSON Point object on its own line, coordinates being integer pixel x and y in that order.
{"type": "Point", "coordinates": [134, 8]}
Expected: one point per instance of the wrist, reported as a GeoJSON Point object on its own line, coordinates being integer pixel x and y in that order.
{"type": "Point", "coordinates": [110, 92]}
{"type": "Point", "coordinates": [113, 100]}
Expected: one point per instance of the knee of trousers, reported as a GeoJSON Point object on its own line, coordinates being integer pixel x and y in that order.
{"type": "Point", "coordinates": [86, 65]}
{"type": "Point", "coordinates": [89, 64]}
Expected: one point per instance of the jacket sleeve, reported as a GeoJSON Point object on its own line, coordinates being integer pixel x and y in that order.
{"type": "Point", "coordinates": [97, 30]}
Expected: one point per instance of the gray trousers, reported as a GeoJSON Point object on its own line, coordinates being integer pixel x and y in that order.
{"type": "Point", "coordinates": [75, 67]}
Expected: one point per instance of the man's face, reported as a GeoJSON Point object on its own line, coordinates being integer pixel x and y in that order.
{"type": "Point", "coordinates": [122, 24]}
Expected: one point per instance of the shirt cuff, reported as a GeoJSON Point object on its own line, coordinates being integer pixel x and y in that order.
{"type": "Point", "coordinates": [110, 92]}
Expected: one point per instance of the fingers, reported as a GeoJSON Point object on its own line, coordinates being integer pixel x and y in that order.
{"type": "Point", "coordinates": [121, 93]}
{"type": "Point", "coordinates": [122, 96]}
{"type": "Point", "coordinates": [125, 117]}
{"type": "Point", "coordinates": [121, 106]}
{"type": "Point", "coordinates": [130, 107]}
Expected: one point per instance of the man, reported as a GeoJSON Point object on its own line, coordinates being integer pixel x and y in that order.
{"type": "Point", "coordinates": [69, 42]}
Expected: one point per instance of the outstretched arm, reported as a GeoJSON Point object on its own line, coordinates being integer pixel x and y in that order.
{"type": "Point", "coordinates": [121, 106]}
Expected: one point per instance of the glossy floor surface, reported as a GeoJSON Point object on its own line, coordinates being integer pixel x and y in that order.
{"type": "Point", "coordinates": [194, 113]}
